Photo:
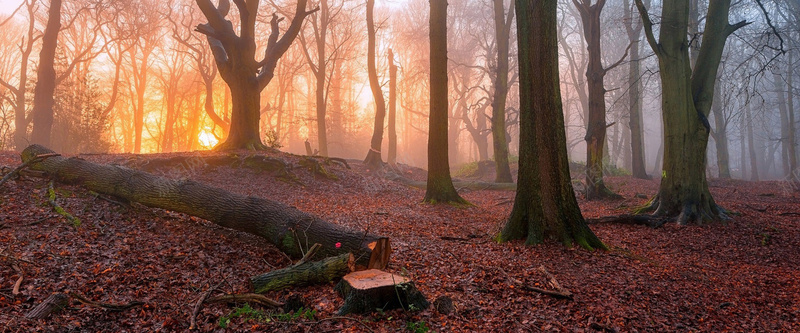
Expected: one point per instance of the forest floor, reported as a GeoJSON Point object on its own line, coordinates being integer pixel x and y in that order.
{"type": "Point", "coordinates": [740, 276]}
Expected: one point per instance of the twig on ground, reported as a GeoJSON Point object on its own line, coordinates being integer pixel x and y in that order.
{"type": "Point", "coordinates": [789, 214]}
{"type": "Point", "coordinates": [107, 306]}
{"type": "Point", "coordinates": [15, 290]}
{"type": "Point", "coordinates": [762, 210]}
{"type": "Point", "coordinates": [25, 165]}
{"type": "Point", "coordinates": [193, 318]}
{"type": "Point", "coordinates": [560, 291]}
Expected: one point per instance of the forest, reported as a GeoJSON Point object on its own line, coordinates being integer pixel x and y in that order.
{"type": "Point", "coordinates": [399, 165]}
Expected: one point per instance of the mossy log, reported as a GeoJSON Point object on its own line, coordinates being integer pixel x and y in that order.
{"type": "Point", "coordinates": [366, 291]}
{"type": "Point", "coordinates": [286, 227]}
{"type": "Point", "coordinates": [304, 274]}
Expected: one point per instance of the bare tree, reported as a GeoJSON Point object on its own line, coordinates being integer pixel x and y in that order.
{"type": "Point", "coordinates": [235, 58]}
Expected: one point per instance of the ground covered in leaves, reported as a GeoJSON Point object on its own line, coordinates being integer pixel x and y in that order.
{"type": "Point", "coordinates": [738, 276]}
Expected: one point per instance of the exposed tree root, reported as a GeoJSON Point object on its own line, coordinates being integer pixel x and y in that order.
{"type": "Point", "coordinates": [698, 213]}
{"type": "Point", "coordinates": [193, 318]}
{"type": "Point", "coordinates": [316, 168]}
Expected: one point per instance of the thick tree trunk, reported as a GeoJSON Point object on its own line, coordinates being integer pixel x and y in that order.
{"type": "Point", "coordinates": [547, 208]}
{"type": "Point", "coordinates": [502, 28]}
{"type": "Point", "coordinates": [43, 101]}
{"type": "Point", "coordinates": [286, 227]}
{"type": "Point", "coordinates": [373, 159]}
{"type": "Point", "coordinates": [440, 186]}
{"type": "Point", "coordinates": [392, 154]}
{"type": "Point", "coordinates": [686, 101]}
{"type": "Point", "coordinates": [245, 115]}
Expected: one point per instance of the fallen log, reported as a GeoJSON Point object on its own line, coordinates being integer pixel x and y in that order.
{"type": "Point", "coordinates": [365, 291]}
{"type": "Point", "coordinates": [304, 274]}
{"type": "Point", "coordinates": [286, 227]}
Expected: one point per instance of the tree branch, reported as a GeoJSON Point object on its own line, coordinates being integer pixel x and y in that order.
{"type": "Point", "coordinates": [648, 27]}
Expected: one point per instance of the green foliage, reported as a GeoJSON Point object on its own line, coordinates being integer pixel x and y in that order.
{"type": "Point", "coordinates": [466, 170]}
{"type": "Point", "coordinates": [246, 312]}
{"type": "Point", "coordinates": [417, 326]}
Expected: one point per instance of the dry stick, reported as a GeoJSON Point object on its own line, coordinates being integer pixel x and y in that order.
{"type": "Point", "coordinates": [193, 318]}
{"type": "Point", "coordinates": [246, 297]}
{"type": "Point", "coordinates": [25, 165]}
{"type": "Point", "coordinates": [563, 293]}
{"type": "Point", "coordinates": [553, 281]}
{"type": "Point", "coordinates": [107, 306]}
{"type": "Point", "coordinates": [17, 284]}
{"type": "Point", "coordinates": [310, 254]}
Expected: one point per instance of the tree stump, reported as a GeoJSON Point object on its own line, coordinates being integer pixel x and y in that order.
{"type": "Point", "coordinates": [366, 291]}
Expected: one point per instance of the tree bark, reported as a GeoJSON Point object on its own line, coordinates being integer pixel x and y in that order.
{"type": "Point", "coordinates": [686, 101]}
{"type": "Point", "coordinates": [596, 125]}
{"type": "Point", "coordinates": [43, 101]}
{"type": "Point", "coordinates": [305, 274]}
{"type": "Point", "coordinates": [374, 159]}
{"type": "Point", "coordinates": [286, 227]}
{"type": "Point", "coordinates": [440, 186]}
{"type": "Point", "coordinates": [547, 208]}
{"type": "Point", "coordinates": [235, 58]}
{"type": "Point", "coordinates": [502, 26]}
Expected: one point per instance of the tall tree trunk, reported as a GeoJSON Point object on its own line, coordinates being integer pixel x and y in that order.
{"type": "Point", "coordinates": [43, 101]}
{"type": "Point", "coordinates": [373, 159]}
{"type": "Point", "coordinates": [721, 136]}
{"type": "Point", "coordinates": [547, 208]}
{"type": "Point", "coordinates": [440, 187]}
{"type": "Point", "coordinates": [743, 151]}
{"type": "Point", "coordinates": [392, 155]}
{"type": "Point", "coordinates": [686, 102]}
{"type": "Point", "coordinates": [780, 89]}
{"type": "Point", "coordinates": [638, 165]}
{"type": "Point", "coordinates": [751, 144]}
{"type": "Point", "coordinates": [502, 26]}
{"type": "Point", "coordinates": [321, 77]}
{"type": "Point", "coordinates": [21, 120]}
{"type": "Point", "coordinates": [596, 125]}
{"type": "Point", "coordinates": [792, 139]}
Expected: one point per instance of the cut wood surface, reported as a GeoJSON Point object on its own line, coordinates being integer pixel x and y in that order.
{"type": "Point", "coordinates": [366, 291]}
{"type": "Point", "coordinates": [286, 227]}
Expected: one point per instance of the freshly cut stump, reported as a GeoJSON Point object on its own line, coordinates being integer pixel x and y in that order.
{"type": "Point", "coordinates": [366, 291]}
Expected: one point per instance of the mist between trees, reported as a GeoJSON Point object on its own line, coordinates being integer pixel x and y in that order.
{"type": "Point", "coordinates": [142, 76]}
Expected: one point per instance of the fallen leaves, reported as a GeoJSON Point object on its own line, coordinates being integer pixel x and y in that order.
{"type": "Point", "coordinates": [711, 278]}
